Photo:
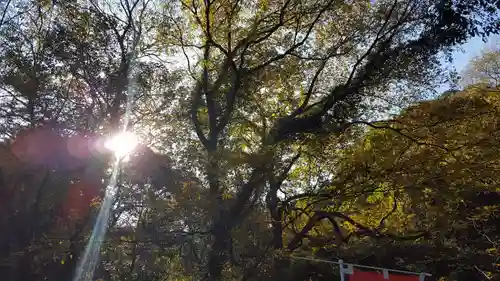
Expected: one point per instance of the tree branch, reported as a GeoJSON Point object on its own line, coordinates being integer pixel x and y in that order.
{"type": "Point", "coordinates": [362, 230]}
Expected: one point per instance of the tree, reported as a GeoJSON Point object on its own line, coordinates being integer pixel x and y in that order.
{"type": "Point", "coordinates": [383, 46]}
{"type": "Point", "coordinates": [47, 198]}
{"type": "Point", "coordinates": [485, 68]}
{"type": "Point", "coordinates": [431, 171]}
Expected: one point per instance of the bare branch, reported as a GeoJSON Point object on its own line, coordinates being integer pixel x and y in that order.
{"type": "Point", "coordinates": [401, 132]}
{"type": "Point", "coordinates": [394, 208]}
{"type": "Point", "coordinates": [297, 45]}
{"type": "Point", "coordinates": [4, 12]}
{"type": "Point", "coordinates": [374, 43]}
{"type": "Point", "coordinates": [362, 229]}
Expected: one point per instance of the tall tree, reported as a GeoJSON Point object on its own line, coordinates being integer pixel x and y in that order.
{"type": "Point", "coordinates": [318, 63]}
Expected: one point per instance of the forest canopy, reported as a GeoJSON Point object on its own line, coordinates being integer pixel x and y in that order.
{"type": "Point", "coordinates": [268, 129]}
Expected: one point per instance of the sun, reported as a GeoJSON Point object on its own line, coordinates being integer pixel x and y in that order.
{"type": "Point", "coordinates": [122, 144]}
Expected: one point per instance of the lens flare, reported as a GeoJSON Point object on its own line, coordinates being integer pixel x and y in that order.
{"type": "Point", "coordinates": [122, 144]}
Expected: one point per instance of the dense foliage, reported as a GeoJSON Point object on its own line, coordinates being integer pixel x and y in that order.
{"type": "Point", "coordinates": [258, 138]}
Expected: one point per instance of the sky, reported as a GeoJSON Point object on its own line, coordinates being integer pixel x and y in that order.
{"type": "Point", "coordinates": [472, 49]}
{"type": "Point", "coordinates": [466, 52]}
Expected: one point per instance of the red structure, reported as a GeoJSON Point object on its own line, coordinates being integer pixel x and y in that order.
{"type": "Point", "coordinates": [379, 276]}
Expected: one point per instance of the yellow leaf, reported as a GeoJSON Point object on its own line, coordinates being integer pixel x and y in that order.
{"type": "Point", "coordinates": [491, 250]}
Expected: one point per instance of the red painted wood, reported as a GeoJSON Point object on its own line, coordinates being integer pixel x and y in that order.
{"type": "Point", "coordinates": [378, 276]}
